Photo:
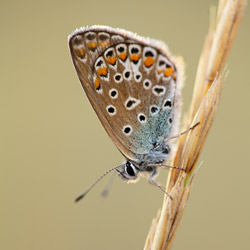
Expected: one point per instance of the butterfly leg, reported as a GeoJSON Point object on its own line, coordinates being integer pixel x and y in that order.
{"type": "Point", "coordinates": [182, 133]}
{"type": "Point", "coordinates": [152, 181]}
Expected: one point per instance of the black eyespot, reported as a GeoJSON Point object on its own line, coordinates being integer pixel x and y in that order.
{"type": "Point", "coordinates": [138, 77]}
{"type": "Point", "coordinates": [127, 130]}
{"type": "Point", "coordinates": [127, 74]}
{"type": "Point", "coordinates": [170, 120]}
{"type": "Point", "coordinates": [147, 83]}
{"type": "Point", "coordinates": [121, 49]}
{"type": "Point", "coordinates": [161, 63]}
{"type": "Point", "coordinates": [149, 53]}
{"type": "Point", "coordinates": [99, 63]}
{"type": "Point", "coordinates": [130, 103]}
{"type": "Point", "coordinates": [159, 90]}
{"type": "Point", "coordinates": [113, 93]}
{"type": "Point", "coordinates": [134, 50]}
{"type": "Point", "coordinates": [109, 53]}
{"type": "Point", "coordinates": [154, 109]}
{"type": "Point", "coordinates": [111, 110]}
{"type": "Point", "coordinates": [168, 104]}
{"type": "Point", "coordinates": [142, 118]}
{"type": "Point", "coordinates": [118, 77]}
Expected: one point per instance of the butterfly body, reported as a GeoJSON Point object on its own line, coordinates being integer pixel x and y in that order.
{"type": "Point", "coordinates": [134, 86]}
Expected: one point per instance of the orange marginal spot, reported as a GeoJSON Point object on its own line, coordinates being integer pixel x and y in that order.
{"type": "Point", "coordinates": [111, 60]}
{"type": "Point", "coordinates": [104, 44]}
{"type": "Point", "coordinates": [123, 56]}
{"type": "Point", "coordinates": [135, 57]}
{"type": "Point", "coordinates": [102, 71]}
{"type": "Point", "coordinates": [168, 71]}
{"type": "Point", "coordinates": [149, 61]}
{"type": "Point", "coordinates": [92, 45]}
{"type": "Point", "coordinates": [174, 77]}
{"type": "Point", "coordinates": [159, 71]}
{"type": "Point", "coordinates": [80, 52]}
{"type": "Point", "coordinates": [97, 83]}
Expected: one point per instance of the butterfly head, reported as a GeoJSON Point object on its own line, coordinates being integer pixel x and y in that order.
{"type": "Point", "coordinates": [129, 171]}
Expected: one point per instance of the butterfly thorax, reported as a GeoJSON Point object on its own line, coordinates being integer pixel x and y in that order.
{"type": "Point", "coordinates": [155, 156]}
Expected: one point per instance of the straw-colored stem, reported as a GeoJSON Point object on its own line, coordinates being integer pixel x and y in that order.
{"type": "Point", "coordinates": [207, 91]}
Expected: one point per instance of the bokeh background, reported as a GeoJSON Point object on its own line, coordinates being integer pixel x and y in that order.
{"type": "Point", "coordinates": [52, 145]}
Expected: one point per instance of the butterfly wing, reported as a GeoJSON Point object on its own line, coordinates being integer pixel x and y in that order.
{"type": "Point", "coordinates": [131, 83]}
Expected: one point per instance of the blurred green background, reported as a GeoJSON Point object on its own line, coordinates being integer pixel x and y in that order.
{"type": "Point", "coordinates": [53, 146]}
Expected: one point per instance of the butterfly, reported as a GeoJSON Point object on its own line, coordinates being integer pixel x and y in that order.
{"type": "Point", "coordinates": [134, 86]}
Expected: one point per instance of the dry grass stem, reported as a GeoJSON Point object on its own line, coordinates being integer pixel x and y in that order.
{"type": "Point", "coordinates": [207, 91]}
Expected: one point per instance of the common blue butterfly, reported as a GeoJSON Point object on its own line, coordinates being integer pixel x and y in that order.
{"type": "Point", "coordinates": [134, 87]}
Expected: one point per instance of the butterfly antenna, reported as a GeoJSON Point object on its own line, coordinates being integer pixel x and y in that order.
{"type": "Point", "coordinates": [86, 191]}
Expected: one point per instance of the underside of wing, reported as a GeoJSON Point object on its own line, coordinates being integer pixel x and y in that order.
{"type": "Point", "coordinates": [131, 83]}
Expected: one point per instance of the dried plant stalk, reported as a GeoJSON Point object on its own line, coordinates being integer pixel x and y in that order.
{"type": "Point", "coordinates": [207, 91]}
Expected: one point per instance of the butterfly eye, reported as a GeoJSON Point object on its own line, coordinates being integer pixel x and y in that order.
{"type": "Point", "coordinates": [130, 169]}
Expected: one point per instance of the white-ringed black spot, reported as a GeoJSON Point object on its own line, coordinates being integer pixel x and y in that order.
{"type": "Point", "coordinates": [131, 103]}
{"type": "Point", "coordinates": [159, 90]}
{"type": "Point", "coordinates": [118, 77]}
{"type": "Point", "coordinates": [127, 74]}
{"type": "Point", "coordinates": [167, 104]}
{"type": "Point", "coordinates": [113, 93]}
{"type": "Point", "coordinates": [121, 49]}
{"type": "Point", "coordinates": [161, 62]}
{"type": "Point", "coordinates": [138, 77]}
{"type": "Point", "coordinates": [147, 84]}
{"type": "Point", "coordinates": [134, 50]}
{"type": "Point", "coordinates": [142, 118]}
{"type": "Point", "coordinates": [99, 63]}
{"type": "Point", "coordinates": [111, 110]}
{"type": "Point", "coordinates": [127, 130]}
{"type": "Point", "coordinates": [110, 53]}
{"type": "Point", "coordinates": [153, 109]}
{"type": "Point", "coordinates": [149, 53]}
